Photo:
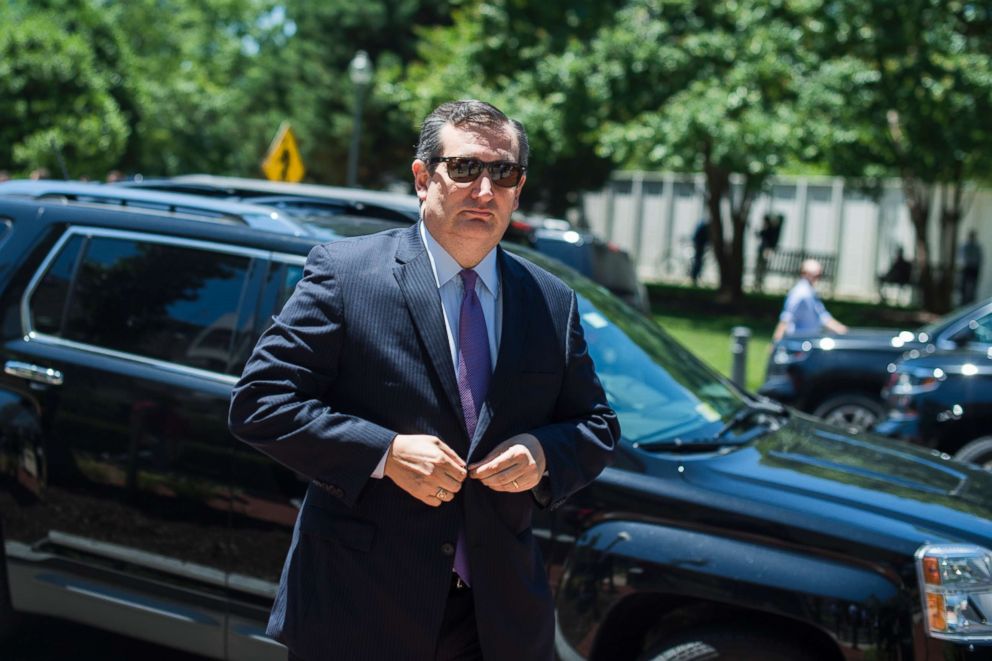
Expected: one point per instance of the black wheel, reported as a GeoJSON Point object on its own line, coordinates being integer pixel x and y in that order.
{"type": "Point", "coordinates": [978, 451]}
{"type": "Point", "coordinates": [850, 411]}
{"type": "Point", "coordinates": [727, 644]}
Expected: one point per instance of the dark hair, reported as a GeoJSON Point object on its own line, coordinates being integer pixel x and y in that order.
{"type": "Point", "coordinates": [460, 113]}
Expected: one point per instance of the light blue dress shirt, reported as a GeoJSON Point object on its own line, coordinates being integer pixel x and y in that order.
{"type": "Point", "coordinates": [803, 311]}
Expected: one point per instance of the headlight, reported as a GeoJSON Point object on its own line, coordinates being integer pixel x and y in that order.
{"type": "Point", "coordinates": [792, 352]}
{"type": "Point", "coordinates": [917, 381]}
{"type": "Point", "coordinates": [956, 588]}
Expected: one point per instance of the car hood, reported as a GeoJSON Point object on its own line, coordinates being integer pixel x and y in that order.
{"type": "Point", "coordinates": [816, 476]}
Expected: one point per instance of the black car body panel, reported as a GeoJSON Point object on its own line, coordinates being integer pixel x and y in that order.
{"type": "Point", "coordinates": [127, 505]}
{"type": "Point", "coordinates": [942, 400]}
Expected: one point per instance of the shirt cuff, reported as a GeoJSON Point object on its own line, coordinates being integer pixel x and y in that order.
{"type": "Point", "coordinates": [380, 470]}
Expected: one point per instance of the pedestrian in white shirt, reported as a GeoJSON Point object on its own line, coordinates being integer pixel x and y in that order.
{"type": "Point", "coordinates": [803, 311]}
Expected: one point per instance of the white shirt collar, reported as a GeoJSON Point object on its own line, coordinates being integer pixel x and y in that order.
{"type": "Point", "coordinates": [445, 267]}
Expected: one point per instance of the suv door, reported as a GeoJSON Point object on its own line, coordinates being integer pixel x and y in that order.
{"type": "Point", "coordinates": [128, 351]}
{"type": "Point", "coordinates": [266, 497]}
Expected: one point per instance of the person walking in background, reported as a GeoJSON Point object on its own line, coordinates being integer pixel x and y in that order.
{"type": "Point", "coordinates": [971, 266]}
{"type": "Point", "coordinates": [379, 382]}
{"type": "Point", "coordinates": [803, 311]}
{"type": "Point", "coordinates": [700, 239]}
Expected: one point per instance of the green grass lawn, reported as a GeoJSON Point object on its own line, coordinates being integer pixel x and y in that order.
{"type": "Point", "coordinates": [708, 338]}
{"type": "Point", "coordinates": [693, 318]}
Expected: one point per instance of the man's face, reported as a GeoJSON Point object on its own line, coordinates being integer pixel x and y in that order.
{"type": "Point", "coordinates": [468, 216]}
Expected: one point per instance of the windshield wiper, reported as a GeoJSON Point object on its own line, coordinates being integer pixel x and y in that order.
{"type": "Point", "coordinates": [763, 415]}
{"type": "Point", "coordinates": [752, 412]}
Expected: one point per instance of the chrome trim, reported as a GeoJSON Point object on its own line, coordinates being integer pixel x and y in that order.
{"type": "Point", "coordinates": [288, 258]}
{"type": "Point", "coordinates": [128, 603]}
{"type": "Point", "coordinates": [152, 362]}
{"type": "Point", "coordinates": [162, 563]}
{"type": "Point", "coordinates": [32, 335]}
{"type": "Point", "coordinates": [46, 375]}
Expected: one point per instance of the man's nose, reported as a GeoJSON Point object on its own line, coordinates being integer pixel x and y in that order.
{"type": "Point", "coordinates": [484, 185]}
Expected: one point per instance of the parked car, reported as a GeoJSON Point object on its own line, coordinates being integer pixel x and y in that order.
{"type": "Point", "coordinates": [840, 377]}
{"type": "Point", "coordinates": [594, 258]}
{"type": "Point", "coordinates": [943, 400]}
{"type": "Point", "coordinates": [727, 522]}
{"type": "Point", "coordinates": [598, 260]}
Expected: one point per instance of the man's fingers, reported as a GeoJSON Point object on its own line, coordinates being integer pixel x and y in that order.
{"type": "Point", "coordinates": [449, 483]}
{"type": "Point", "coordinates": [493, 465]}
{"type": "Point", "coordinates": [452, 456]}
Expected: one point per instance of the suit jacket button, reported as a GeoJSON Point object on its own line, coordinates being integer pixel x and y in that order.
{"type": "Point", "coordinates": [448, 548]}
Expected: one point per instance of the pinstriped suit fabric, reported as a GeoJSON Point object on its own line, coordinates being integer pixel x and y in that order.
{"type": "Point", "coordinates": [360, 354]}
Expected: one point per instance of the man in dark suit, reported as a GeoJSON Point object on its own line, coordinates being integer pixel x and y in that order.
{"type": "Point", "coordinates": [435, 389]}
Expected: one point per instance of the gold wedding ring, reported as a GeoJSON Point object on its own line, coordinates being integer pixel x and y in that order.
{"type": "Point", "coordinates": [515, 485]}
{"type": "Point", "coordinates": [441, 494]}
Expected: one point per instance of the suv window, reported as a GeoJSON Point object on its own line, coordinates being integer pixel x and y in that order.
{"type": "Point", "coordinates": [50, 296]}
{"type": "Point", "coordinates": [173, 303]}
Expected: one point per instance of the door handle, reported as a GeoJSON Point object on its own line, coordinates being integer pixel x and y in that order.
{"type": "Point", "coordinates": [46, 375]}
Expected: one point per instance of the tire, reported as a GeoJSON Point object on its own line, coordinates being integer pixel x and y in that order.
{"type": "Point", "coordinates": [726, 644]}
{"type": "Point", "coordinates": [859, 412]}
{"type": "Point", "coordinates": [978, 451]}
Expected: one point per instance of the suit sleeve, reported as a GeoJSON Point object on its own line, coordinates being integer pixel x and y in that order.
{"type": "Point", "coordinates": [580, 443]}
{"type": "Point", "coordinates": [278, 404]}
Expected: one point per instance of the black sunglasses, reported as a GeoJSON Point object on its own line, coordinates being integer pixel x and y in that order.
{"type": "Point", "coordinates": [463, 170]}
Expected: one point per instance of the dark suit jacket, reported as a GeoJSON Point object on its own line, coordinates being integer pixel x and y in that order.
{"type": "Point", "coordinates": [360, 354]}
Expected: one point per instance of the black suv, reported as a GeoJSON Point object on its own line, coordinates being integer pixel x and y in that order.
{"type": "Point", "coordinates": [840, 377]}
{"type": "Point", "coordinates": [727, 523]}
{"type": "Point", "coordinates": [943, 400]}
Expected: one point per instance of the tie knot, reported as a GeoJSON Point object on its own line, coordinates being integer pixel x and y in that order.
{"type": "Point", "coordinates": [468, 279]}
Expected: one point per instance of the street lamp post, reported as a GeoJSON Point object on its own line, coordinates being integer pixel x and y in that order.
{"type": "Point", "coordinates": [360, 71]}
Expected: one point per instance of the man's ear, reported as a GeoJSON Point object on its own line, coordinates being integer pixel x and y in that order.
{"type": "Point", "coordinates": [421, 178]}
{"type": "Point", "coordinates": [516, 193]}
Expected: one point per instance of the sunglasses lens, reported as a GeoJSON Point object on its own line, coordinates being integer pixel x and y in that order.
{"type": "Point", "coordinates": [464, 169]}
{"type": "Point", "coordinates": [506, 174]}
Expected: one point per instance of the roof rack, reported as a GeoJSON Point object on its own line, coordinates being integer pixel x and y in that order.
{"type": "Point", "coordinates": [251, 215]}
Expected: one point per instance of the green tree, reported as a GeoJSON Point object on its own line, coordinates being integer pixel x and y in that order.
{"type": "Point", "coordinates": [907, 88]}
{"type": "Point", "coordinates": [191, 64]}
{"type": "Point", "coordinates": [509, 52]}
{"type": "Point", "coordinates": [56, 97]}
{"type": "Point", "coordinates": [709, 87]}
{"type": "Point", "coordinates": [302, 75]}
{"type": "Point", "coordinates": [705, 87]}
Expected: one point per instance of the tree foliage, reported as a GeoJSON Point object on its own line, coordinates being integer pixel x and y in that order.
{"type": "Point", "coordinates": [737, 90]}
{"type": "Point", "coordinates": [56, 95]}
{"type": "Point", "coordinates": [907, 91]}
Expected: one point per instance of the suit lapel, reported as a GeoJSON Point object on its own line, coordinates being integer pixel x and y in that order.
{"type": "Point", "coordinates": [517, 299]}
{"type": "Point", "coordinates": [416, 281]}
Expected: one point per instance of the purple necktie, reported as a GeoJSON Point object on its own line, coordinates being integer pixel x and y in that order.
{"type": "Point", "coordinates": [474, 370]}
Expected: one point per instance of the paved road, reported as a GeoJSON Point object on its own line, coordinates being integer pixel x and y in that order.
{"type": "Point", "coordinates": [49, 639]}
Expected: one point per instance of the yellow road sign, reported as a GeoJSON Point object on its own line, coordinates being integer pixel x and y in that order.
{"type": "Point", "coordinates": [283, 162]}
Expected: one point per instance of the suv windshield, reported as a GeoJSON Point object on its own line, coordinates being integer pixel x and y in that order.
{"type": "Point", "coordinates": [658, 389]}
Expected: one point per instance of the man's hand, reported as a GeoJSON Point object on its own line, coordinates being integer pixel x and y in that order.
{"type": "Point", "coordinates": [514, 465]}
{"type": "Point", "coordinates": [425, 468]}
